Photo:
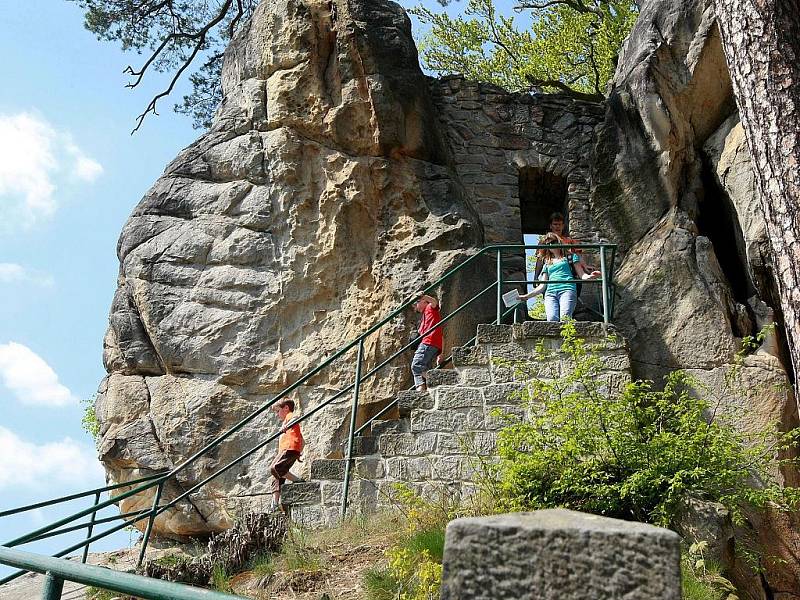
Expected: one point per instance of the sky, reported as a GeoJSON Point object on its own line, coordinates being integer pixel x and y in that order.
{"type": "Point", "coordinates": [70, 174]}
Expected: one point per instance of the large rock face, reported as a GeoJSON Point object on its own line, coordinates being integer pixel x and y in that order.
{"type": "Point", "coordinates": [672, 183]}
{"type": "Point", "coordinates": [337, 179]}
{"type": "Point", "coordinates": [321, 197]}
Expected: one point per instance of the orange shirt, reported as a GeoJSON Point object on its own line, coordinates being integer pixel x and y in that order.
{"type": "Point", "coordinates": [292, 439]}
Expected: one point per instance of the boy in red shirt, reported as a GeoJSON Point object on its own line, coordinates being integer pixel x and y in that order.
{"type": "Point", "coordinates": [431, 344]}
{"type": "Point", "coordinates": [290, 445]}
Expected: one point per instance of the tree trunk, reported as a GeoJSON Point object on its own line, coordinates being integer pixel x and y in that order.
{"type": "Point", "coordinates": [761, 39]}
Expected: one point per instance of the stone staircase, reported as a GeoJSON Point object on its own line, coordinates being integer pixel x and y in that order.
{"type": "Point", "coordinates": [439, 432]}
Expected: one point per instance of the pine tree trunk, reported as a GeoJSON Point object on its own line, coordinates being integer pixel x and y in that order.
{"type": "Point", "coordinates": [761, 39]}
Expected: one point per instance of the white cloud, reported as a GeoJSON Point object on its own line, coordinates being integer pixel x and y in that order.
{"type": "Point", "coordinates": [14, 273]}
{"type": "Point", "coordinates": [26, 464]}
{"type": "Point", "coordinates": [83, 168]}
{"type": "Point", "coordinates": [30, 378]}
{"type": "Point", "coordinates": [33, 155]}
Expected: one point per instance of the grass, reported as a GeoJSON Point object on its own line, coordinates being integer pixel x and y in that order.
{"type": "Point", "coordinates": [220, 580]}
{"type": "Point", "coordinates": [380, 585]}
{"type": "Point", "coordinates": [94, 593]}
{"type": "Point", "coordinates": [431, 540]}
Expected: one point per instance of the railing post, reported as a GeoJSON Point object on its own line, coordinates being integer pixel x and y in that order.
{"type": "Point", "coordinates": [499, 287]}
{"type": "Point", "coordinates": [353, 415]}
{"type": "Point", "coordinates": [604, 284]}
{"type": "Point", "coordinates": [89, 531]}
{"type": "Point", "coordinates": [53, 586]}
{"type": "Point", "coordinates": [150, 522]}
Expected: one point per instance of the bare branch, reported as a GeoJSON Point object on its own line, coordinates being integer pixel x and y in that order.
{"type": "Point", "coordinates": [201, 37]}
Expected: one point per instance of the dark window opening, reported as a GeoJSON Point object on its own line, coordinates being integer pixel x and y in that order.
{"type": "Point", "coordinates": [541, 193]}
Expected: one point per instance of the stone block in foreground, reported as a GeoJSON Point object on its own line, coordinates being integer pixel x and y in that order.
{"type": "Point", "coordinates": [559, 555]}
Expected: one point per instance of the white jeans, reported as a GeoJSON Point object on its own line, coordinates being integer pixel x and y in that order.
{"type": "Point", "coordinates": [558, 305]}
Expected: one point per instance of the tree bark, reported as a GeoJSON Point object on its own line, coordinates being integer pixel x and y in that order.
{"type": "Point", "coordinates": [761, 40]}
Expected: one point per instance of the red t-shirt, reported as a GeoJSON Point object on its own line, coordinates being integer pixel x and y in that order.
{"type": "Point", "coordinates": [430, 317]}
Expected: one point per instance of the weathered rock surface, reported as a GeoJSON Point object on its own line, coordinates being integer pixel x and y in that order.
{"type": "Point", "coordinates": [337, 179]}
{"type": "Point", "coordinates": [561, 554]}
{"type": "Point", "coordinates": [673, 185]}
{"type": "Point", "coordinates": [320, 198]}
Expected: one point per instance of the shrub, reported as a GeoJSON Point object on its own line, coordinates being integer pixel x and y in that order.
{"type": "Point", "coordinates": [89, 421]}
{"type": "Point", "coordinates": [636, 454]}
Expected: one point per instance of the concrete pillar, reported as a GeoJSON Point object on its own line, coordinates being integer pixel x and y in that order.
{"type": "Point", "coordinates": [559, 555]}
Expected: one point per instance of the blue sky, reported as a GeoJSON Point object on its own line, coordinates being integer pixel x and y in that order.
{"type": "Point", "coordinates": [70, 174]}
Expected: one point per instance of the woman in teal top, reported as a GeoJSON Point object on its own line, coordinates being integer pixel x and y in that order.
{"type": "Point", "coordinates": [559, 298]}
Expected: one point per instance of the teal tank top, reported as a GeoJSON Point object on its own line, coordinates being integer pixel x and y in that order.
{"type": "Point", "coordinates": [559, 270]}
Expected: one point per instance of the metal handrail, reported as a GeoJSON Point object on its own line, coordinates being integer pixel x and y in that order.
{"type": "Point", "coordinates": [57, 571]}
{"type": "Point", "coordinates": [158, 480]}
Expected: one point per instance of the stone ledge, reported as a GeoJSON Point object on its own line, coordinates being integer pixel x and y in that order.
{"type": "Point", "coordinates": [307, 492]}
{"type": "Point", "coordinates": [550, 329]}
{"type": "Point", "coordinates": [493, 334]}
{"type": "Point", "coordinates": [410, 400]}
{"type": "Point", "coordinates": [467, 356]}
{"type": "Point", "coordinates": [437, 377]}
{"type": "Point", "coordinates": [516, 555]}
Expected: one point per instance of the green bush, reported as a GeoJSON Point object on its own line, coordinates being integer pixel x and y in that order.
{"type": "Point", "coordinates": [636, 454]}
{"type": "Point", "coordinates": [89, 421]}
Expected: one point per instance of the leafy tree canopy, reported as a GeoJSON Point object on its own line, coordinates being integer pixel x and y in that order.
{"type": "Point", "coordinates": [571, 45]}
{"type": "Point", "coordinates": [173, 34]}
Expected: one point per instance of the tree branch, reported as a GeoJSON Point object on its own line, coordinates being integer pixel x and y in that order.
{"type": "Point", "coordinates": [200, 36]}
{"type": "Point", "coordinates": [576, 5]}
{"type": "Point", "coordinates": [560, 85]}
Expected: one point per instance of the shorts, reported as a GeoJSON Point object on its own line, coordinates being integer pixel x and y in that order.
{"type": "Point", "coordinates": [280, 467]}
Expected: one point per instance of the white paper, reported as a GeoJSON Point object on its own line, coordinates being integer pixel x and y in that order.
{"type": "Point", "coordinates": [511, 298]}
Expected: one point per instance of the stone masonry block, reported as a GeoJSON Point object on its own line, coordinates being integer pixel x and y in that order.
{"type": "Point", "coordinates": [493, 334]}
{"type": "Point", "coordinates": [409, 400]}
{"type": "Point", "coordinates": [379, 428]}
{"type": "Point", "coordinates": [307, 492]}
{"type": "Point", "coordinates": [504, 393]}
{"type": "Point", "coordinates": [471, 443]}
{"type": "Point", "coordinates": [328, 468]}
{"type": "Point", "coordinates": [368, 468]}
{"type": "Point", "coordinates": [446, 467]}
{"type": "Point", "coordinates": [458, 419]}
{"type": "Point", "coordinates": [475, 376]}
{"type": "Point", "coordinates": [437, 377]}
{"type": "Point", "coordinates": [545, 329]}
{"type": "Point", "coordinates": [616, 361]}
{"type": "Point", "coordinates": [407, 444]}
{"type": "Point", "coordinates": [409, 469]}
{"type": "Point", "coordinates": [364, 446]}
{"type": "Point", "coordinates": [559, 554]}
{"type": "Point", "coordinates": [470, 356]}
{"type": "Point", "coordinates": [501, 415]}
{"type": "Point", "coordinates": [448, 397]}
{"type": "Point", "coordinates": [509, 352]}
{"type": "Point", "coordinates": [331, 492]}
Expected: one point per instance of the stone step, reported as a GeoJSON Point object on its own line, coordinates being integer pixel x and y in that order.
{"type": "Point", "coordinates": [332, 469]}
{"type": "Point", "coordinates": [379, 427]}
{"type": "Point", "coordinates": [306, 492]}
{"type": "Point", "coordinates": [364, 445]}
{"type": "Point", "coordinates": [413, 400]}
{"type": "Point", "coordinates": [437, 377]}
{"type": "Point", "coordinates": [470, 356]}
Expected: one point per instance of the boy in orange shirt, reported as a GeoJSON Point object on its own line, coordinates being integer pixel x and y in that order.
{"type": "Point", "coordinates": [290, 445]}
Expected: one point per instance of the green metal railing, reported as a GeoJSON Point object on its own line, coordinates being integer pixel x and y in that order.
{"type": "Point", "coordinates": [57, 571]}
{"type": "Point", "coordinates": [157, 481]}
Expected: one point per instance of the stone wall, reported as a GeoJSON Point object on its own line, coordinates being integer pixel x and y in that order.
{"type": "Point", "coordinates": [434, 446]}
{"type": "Point", "coordinates": [493, 134]}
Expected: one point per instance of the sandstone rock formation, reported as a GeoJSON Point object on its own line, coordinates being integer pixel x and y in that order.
{"type": "Point", "coordinates": [673, 185]}
{"type": "Point", "coordinates": [320, 198]}
{"type": "Point", "coordinates": [337, 179]}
